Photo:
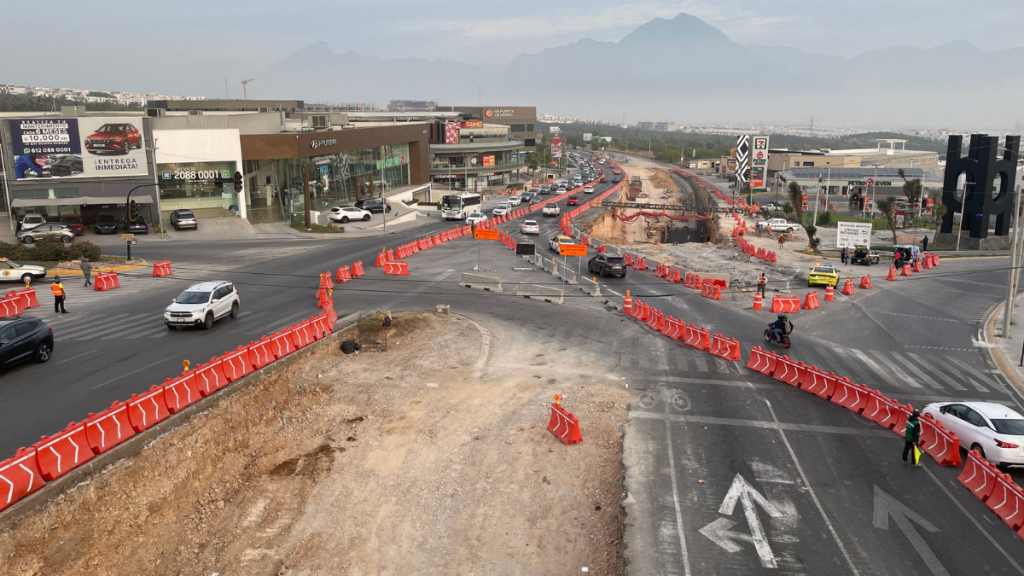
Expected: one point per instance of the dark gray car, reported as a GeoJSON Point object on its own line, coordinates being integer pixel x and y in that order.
{"type": "Point", "coordinates": [62, 232]}
{"type": "Point", "coordinates": [24, 339]}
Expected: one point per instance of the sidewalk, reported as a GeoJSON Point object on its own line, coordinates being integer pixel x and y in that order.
{"type": "Point", "coordinates": [1007, 351]}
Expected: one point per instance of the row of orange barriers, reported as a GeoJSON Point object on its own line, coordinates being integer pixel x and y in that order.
{"type": "Point", "coordinates": [676, 329]}
{"type": "Point", "coordinates": [15, 302]}
{"type": "Point", "coordinates": [54, 456]}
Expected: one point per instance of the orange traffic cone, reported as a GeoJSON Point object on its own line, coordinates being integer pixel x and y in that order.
{"type": "Point", "coordinates": [757, 301]}
{"type": "Point", "coordinates": [848, 287]}
{"type": "Point", "coordinates": [892, 273]}
{"type": "Point", "coordinates": [829, 293]}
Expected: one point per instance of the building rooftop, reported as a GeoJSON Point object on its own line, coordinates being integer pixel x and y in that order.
{"type": "Point", "coordinates": [813, 173]}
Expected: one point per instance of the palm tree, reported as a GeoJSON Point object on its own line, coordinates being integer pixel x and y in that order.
{"type": "Point", "coordinates": [796, 198]}
{"type": "Point", "coordinates": [888, 207]}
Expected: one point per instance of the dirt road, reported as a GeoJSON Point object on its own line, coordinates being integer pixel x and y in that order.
{"type": "Point", "coordinates": [430, 458]}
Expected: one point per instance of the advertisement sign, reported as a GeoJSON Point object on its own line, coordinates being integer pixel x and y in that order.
{"type": "Point", "coordinates": [77, 147]}
{"type": "Point", "coordinates": [901, 220]}
{"type": "Point", "coordinates": [488, 160]}
{"type": "Point", "coordinates": [556, 148]}
{"type": "Point", "coordinates": [473, 124]}
{"type": "Point", "coordinates": [555, 130]}
{"type": "Point", "coordinates": [854, 234]}
{"type": "Point", "coordinates": [759, 164]}
{"type": "Point", "coordinates": [451, 133]}
{"type": "Point", "coordinates": [587, 137]}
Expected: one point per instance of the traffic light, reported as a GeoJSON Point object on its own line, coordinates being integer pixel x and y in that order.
{"type": "Point", "coordinates": [133, 211]}
{"type": "Point", "coordinates": [238, 182]}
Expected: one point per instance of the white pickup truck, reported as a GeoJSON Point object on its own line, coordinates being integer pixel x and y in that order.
{"type": "Point", "coordinates": [777, 225]}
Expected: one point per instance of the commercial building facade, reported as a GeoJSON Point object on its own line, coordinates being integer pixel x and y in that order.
{"type": "Point", "coordinates": [521, 120]}
{"type": "Point", "coordinates": [474, 155]}
{"type": "Point", "coordinates": [895, 155]}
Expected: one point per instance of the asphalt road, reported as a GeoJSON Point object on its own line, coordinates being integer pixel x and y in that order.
{"type": "Point", "coordinates": [727, 471]}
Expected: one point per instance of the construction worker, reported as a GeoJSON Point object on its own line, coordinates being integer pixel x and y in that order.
{"type": "Point", "coordinates": [762, 281]}
{"type": "Point", "coordinates": [912, 434]}
{"type": "Point", "coordinates": [58, 296]}
{"type": "Point", "coordinates": [782, 240]}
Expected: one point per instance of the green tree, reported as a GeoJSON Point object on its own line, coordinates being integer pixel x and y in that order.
{"type": "Point", "coordinates": [787, 209]}
{"type": "Point", "coordinates": [532, 161]}
{"type": "Point", "coordinates": [914, 192]}
{"type": "Point", "coordinates": [939, 210]}
{"type": "Point", "coordinates": [887, 206]}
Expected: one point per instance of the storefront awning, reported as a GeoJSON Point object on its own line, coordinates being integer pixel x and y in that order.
{"type": "Point", "coordinates": [76, 201]}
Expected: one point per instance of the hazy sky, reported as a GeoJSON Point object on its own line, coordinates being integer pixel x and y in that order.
{"type": "Point", "coordinates": [61, 41]}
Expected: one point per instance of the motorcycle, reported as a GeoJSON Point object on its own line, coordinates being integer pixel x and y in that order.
{"type": "Point", "coordinates": [769, 335]}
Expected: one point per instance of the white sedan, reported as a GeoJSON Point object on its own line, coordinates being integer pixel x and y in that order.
{"type": "Point", "coordinates": [500, 210]}
{"type": "Point", "coordinates": [345, 213]}
{"type": "Point", "coordinates": [588, 190]}
{"type": "Point", "coordinates": [476, 218]}
{"type": "Point", "coordinates": [515, 200]}
{"type": "Point", "coordinates": [992, 429]}
{"type": "Point", "coordinates": [531, 227]}
{"type": "Point", "coordinates": [551, 209]}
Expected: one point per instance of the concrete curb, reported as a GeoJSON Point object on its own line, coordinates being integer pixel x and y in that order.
{"type": "Point", "coordinates": [96, 271]}
{"type": "Point", "coordinates": [101, 463]}
{"type": "Point", "coordinates": [997, 353]}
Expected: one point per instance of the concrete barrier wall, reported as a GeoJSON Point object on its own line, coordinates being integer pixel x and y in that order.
{"type": "Point", "coordinates": [544, 293]}
{"type": "Point", "coordinates": [549, 266]}
{"type": "Point", "coordinates": [478, 282]}
{"type": "Point", "coordinates": [590, 287]}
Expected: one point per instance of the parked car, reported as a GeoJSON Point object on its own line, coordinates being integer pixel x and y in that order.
{"type": "Point", "coordinates": [139, 226]}
{"type": "Point", "coordinates": [66, 166]}
{"type": "Point", "coordinates": [777, 225]}
{"type": "Point", "coordinates": [607, 265]}
{"type": "Point", "coordinates": [31, 220]}
{"type": "Point", "coordinates": [105, 224]}
{"type": "Point", "coordinates": [13, 272]}
{"type": "Point", "coordinates": [864, 255]}
{"type": "Point", "coordinates": [372, 205]}
{"type": "Point", "coordinates": [910, 252]}
{"type": "Point", "coordinates": [114, 137]}
{"type": "Point", "coordinates": [994, 430]}
{"type": "Point", "coordinates": [551, 210]}
{"type": "Point", "coordinates": [184, 219]}
{"type": "Point", "coordinates": [75, 222]}
{"type": "Point", "coordinates": [476, 218]}
{"type": "Point", "coordinates": [62, 232]}
{"type": "Point", "coordinates": [530, 227]}
{"type": "Point", "coordinates": [573, 200]}
{"type": "Point", "coordinates": [24, 338]}
{"type": "Point", "coordinates": [202, 304]}
{"type": "Point", "coordinates": [344, 214]}
{"type": "Point", "coordinates": [500, 210]}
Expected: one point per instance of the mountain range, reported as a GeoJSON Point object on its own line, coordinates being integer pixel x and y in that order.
{"type": "Point", "coordinates": [685, 70]}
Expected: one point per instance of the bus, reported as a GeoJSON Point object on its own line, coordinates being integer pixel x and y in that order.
{"type": "Point", "coordinates": [458, 206]}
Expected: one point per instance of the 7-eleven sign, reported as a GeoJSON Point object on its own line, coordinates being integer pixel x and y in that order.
{"type": "Point", "coordinates": [761, 144]}
{"type": "Point", "coordinates": [759, 161]}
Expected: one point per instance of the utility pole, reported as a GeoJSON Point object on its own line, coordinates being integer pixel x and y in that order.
{"type": "Point", "coordinates": [814, 220]}
{"type": "Point", "coordinates": [305, 192]}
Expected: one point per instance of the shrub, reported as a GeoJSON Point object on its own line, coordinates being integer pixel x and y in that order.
{"type": "Point", "coordinates": [824, 219]}
{"type": "Point", "coordinates": [50, 249]}
{"type": "Point", "coordinates": [11, 251]}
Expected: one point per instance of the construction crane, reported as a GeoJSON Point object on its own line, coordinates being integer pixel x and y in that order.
{"type": "Point", "coordinates": [245, 93]}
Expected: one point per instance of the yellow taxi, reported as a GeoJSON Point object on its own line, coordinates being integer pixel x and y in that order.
{"type": "Point", "coordinates": [823, 275]}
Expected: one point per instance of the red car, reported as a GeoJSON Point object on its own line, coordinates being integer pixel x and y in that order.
{"type": "Point", "coordinates": [75, 222]}
{"type": "Point", "coordinates": [616, 171]}
{"type": "Point", "coordinates": [114, 137]}
{"type": "Point", "coordinates": [572, 201]}
{"type": "Point", "coordinates": [603, 180]}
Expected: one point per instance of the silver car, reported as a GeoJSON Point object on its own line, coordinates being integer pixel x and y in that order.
{"type": "Point", "coordinates": [62, 232]}
{"type": "Point", "coordinates": [201, 304]}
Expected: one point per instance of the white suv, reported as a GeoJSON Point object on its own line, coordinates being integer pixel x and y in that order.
{"type": "Point", "coordinates": [201, 304]}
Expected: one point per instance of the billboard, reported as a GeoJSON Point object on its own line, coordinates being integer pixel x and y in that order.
{"type": "Point", "coordinates": [854, 234]}
{"type": "Point", "coordinates": [451, 133]}
{"type": "Point", "coordinates": [587, 137]}
{"type": "Point", "coordinates": [78, 147]}
{"type": "Point", "coordinates": [556, 148]}
{"type": "Point", "coordinates": [488, 160]}
{"type": "Point", "coordinates": [555, 129]}
{"type": "Point", "coordinates": [196, 179]}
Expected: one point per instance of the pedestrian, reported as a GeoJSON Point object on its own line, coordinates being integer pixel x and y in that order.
{"type": "Point", "coordinates": [843, 256]}
{"type": "Point", "coordinates": [898, 260]}
{"type": "Point", "coordinates": [87, 271]}
{"type": "Point", "coordinates": [911, 435]}
{"type": "Point", "coordinates": [924, 244]}
{"type": "Point", "coordinates": [58, 296]}
{"type": "Point", "coordinates": [762, 282]}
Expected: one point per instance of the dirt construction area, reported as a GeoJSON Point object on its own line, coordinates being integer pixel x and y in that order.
{"type": "Point", "coordinates": [430, 458]}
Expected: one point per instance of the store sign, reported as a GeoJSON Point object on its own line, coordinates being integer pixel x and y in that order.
{"type": "Point", "coordinates": [486, 173]}
{"type": "Point", "coordinates": [556, 148]}
{"type": "Point", "coordinates": [195, 173]}
{"type": "Point", "coordinates": [488, 160]}
{"type": "Point", "coordinates": [473, 124]}
{"type": "Point", "coordinates": [853, 234]}
{"type": "Point", "coordinates": [499, 112]}
{"type": "Point", "coordinates": [391, 162]}
{"type": "Point", "coordinates": [77, 148]}
{"type": "Point", "coordinates": [759, 164]}
{"type": "Point", "coordinates": [321, 143]}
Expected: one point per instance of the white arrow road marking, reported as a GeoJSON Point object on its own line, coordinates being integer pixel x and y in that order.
{"type": "Point", "coordinates": [741, 491]}
{"type": "Point", "coordinates": [886, 506]}
{"type": "Point", "coordinates": [719, 533]}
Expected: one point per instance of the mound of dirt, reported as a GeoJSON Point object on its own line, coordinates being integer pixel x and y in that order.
{"type": "Point", "coordinates": [397, 462]}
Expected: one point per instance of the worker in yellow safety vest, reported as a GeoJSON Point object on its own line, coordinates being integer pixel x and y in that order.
{"type": "Point", "coordinates": [58, 296]}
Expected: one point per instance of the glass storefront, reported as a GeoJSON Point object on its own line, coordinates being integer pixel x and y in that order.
{"type": "Point", "coordinates": [204, 187]}
{"type": "Point", "coordinates": [334, 179]}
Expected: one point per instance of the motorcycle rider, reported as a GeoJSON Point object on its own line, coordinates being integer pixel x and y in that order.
{"type": "Point", "coordinates": [779, 327]}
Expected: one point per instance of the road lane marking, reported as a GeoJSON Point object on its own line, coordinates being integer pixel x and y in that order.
{"type": "Point", "coordinates": [132, 372]}
{"type": "Point", "coordinates": [675, 491]}
{"type": "Point", "coordinates": [953, 370]}
{"type": "Point", "coordinates": [930, 367]}
{"type": "Point", "coordinates": [718, 531]}
{"type": "Point", "coordinates": [896, 369]}
{"type": "Point", "coordinates": [73, 357]}
{"type": "Point", "coordinates": [763, 424]}
{"type": "Point", "coordinates": [886, 506]}
{"type": "Point", "coordinates": [810, 490]}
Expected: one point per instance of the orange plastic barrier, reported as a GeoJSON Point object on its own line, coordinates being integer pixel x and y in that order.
{"type": "Point", "coordinates": [811, 301]}
{"type": "Point", "coordinates": [300, 336]}
{"type": "Point", "coordinates": [727, 348]}
{"type": "Point", "coordinates": [879, 408]}
{"type": "Point", "coordinates": [108, 428]}
{"type": "Point", "coordinates": [58, 455]}
{"type": "Point", "coordinates": [865, 282]}
{"type": "Point", "coordinates": [640, 264]}
{"type": "Point", "coordinates": [917, 266]}
{"type": "Point", "coordinates": [11, 307]}
{"type": "Point", "coordinates": [848, 288]}
{"type": "Point", "coordinates": [666, 327]}
{"type": "Point", "coordinates": [853, 397]}
{"type": "Point", "coordinates": [210, 377]}
{"type": "Point", "coordinates": [656, 320]}
{"type": "Point", "coordinates": [381, 259]}
{"type": "Point", "coordinates": [260, 353]}
{"type": "Point", "coordinates": [762, 361]}
{"type": "Point", "coordinates": [105, 281]}
{"type": "Point", "coordinates": [564, 425]}
{"type": "Point", "coordinates": [19, 477]}
{"type": "Point", "coordinates": [396, 269]}
{"type": "Point", "coordinates": [789, 371]}
{"type": "Point", "coordinates": [677, 329]}
{"type": "Point", "coordinates": [673, 276]}
{"type": "Point", "coordinates": [180, 392]}
{"type": "Point", "coordinates": [712, 291]}
{"type": "Point", "coordinates": [162, 268]}
{"type": "Point", "coordinates": [819, 383]}
{"type": "Point", "coordinates": [321, 326]}
{"type": "Point", "coordinates": [979, 475]}
{"type": "Point", "coordinates": [941, 444]}
{"type": "Point", "coordinates": [343, 275]}
{"type": "Point", "coordinates": [659, 270]}
{"type": "Point", "coordinates": [236, 364]}
{"type": "Point", "coordinates": [892, 274]}
{"type": "Point", "coordinates": [1007, 501]}
{"type": "Point", "coordinates": [906, 270]}
{"type": "Point", "coordinates": [281, 343]}
{"type": "Point", "coordinates": [697, 337]}
{"type": "Point", "coordinates": [693, 281]}
{"type": "Point", "coordinates": [785, 304]}
{"type": "Point", "coordinates": [29, 296]}
{"type": "Point", "coordinates": [145, 410]}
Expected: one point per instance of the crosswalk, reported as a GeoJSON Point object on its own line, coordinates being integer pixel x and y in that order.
{"type": "Point", "coordinates": [964, 305]}
{"type": "Point", "coordinates": [79, 296]}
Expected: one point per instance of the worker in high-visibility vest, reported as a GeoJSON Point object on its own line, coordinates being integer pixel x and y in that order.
{"type": "Point", "coordinates": [58, 296]}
